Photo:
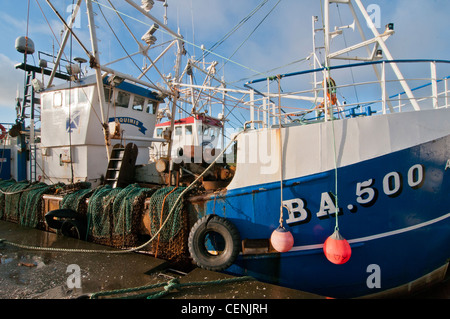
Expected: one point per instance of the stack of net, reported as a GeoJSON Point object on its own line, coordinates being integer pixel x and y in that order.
{"type": "Point", "coordinates": [4, 185]}
{"type": "Point", "coordinates": [128, 211]}
{"type": "Point", "coordinates": [99, 214]}
{"type": "Point", "coordinates": [31, 209]}
{"type": "Point", "coordinates": [12, 194]}
{"type": "Point", "coordinates": [115, 215]}
{"type": "Point", "coordinates": [76, 200]}
{"type": "Point", "coordinates": [21, 202]}
{"type": "Point", "coordinates": [171, 241]}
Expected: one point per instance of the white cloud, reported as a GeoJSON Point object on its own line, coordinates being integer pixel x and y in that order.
{"type": "Point", "coordinates": [10, 78]}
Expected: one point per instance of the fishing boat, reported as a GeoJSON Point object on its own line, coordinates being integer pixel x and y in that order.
{"type": "Point", "coordinates": [314, 192]}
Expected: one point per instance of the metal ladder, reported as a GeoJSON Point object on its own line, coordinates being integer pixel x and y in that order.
{"type": "Point", "coordinates": [121, 166]}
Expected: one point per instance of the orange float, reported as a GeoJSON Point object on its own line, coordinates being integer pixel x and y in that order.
{"type": "Point", "coordinates": [337, 249]}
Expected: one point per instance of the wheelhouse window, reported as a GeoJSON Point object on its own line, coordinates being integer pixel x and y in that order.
{"type": "Point", "coordinates": [188, 129]}
{"type": "Point", "coordinates": [123, 99]}
{"type": "Point", "coordinates": [206, 131]}
{"type": "Point", "coordinates": [138, 103]}
{"type": "Point", "coordinates": [47, 101]}
{"type": "Point", "coordinates": [159, 131]}
{"type": "Point", "coordinates": [152, 107]}
{"type": "Point", "coordinates": [57, 99]}
{"type": "Point", "coordinates": [178, 130]}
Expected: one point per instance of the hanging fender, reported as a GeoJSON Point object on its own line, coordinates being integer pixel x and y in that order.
{"type": "Point", "coordinates": [214, 243]}
{"type": "Point", "coordinates": [3, 132]}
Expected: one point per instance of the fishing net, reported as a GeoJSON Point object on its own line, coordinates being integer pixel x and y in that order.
{"type": "Point", "coordinates": [4, 184]}
{"type": "Point", "coordinates": [171, 242]}
{"type": "Point", "coordinates": [31, 213]}
{"type": "Point", "coordinates": [74, 197]}
{"type": "Point", "coordinates": [12, 200]}
{"type": "Point", "coordinates": [115, 215]}
{"type": "Point", "coordinates": [21, 202]}
{"type": "Point", "coordinates": [76, 200]}
{"type": "Point", "coordinates": [128, 210]}
{"type": "Point", "coordinates": [99, 214]}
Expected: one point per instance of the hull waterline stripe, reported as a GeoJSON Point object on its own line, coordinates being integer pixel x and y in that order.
{"type": "Point", "coordinates": [378, 236]}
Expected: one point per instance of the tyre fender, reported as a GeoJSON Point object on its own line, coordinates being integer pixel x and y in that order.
{"type": "Point", "coordinates": [199, 252]}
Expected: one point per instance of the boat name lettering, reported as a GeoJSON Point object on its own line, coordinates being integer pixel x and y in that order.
{"type": "Point", "coordinates": [131, 121]}
{"type": "Point", "coordinates": [447, 165]}
{"type": "Point", "coordinates": [366, 196]}
{"type": "Point", "coordinates": [374, 279]}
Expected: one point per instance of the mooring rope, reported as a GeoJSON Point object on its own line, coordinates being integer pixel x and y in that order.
{"type": "Point", "coordinates": [168, 287]}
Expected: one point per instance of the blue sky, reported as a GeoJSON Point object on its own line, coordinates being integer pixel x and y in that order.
{"type": "Point", "coordinates": [422, 30]}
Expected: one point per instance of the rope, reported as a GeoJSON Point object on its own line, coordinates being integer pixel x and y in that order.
{"type": "Point", "coordinates": [168, 287]}
{"type": "Point", "coordinates": [135, 248]}
{"type": "Point", "coordinates": [280, 141]}
{"type": "Point", "coordinates": [21, 191]}
{"type": "Point", "coordinates": [335, 156]}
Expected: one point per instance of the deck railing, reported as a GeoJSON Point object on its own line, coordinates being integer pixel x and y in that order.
{"type": "Point", "coordinates": [385, 94]}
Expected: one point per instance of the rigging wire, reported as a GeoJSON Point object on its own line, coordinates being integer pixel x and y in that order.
{"type": "Point", "coordinates": [178, 38]}
{"type": "Point", "coordinates": [251, 33]}
{"type": "Point", "coordinates": [121, 44]}
{"type": "Point", "coordinates": [235, 28]}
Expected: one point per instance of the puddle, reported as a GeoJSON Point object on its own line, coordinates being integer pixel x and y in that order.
{"type": "Point", "coordinates": [5, 260]}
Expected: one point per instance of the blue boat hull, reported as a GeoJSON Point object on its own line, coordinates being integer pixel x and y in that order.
{"type": "Point", "coordinates": [393, 209]}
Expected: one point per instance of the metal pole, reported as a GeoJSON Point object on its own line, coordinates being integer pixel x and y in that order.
{"type": "Point", "coordinates": [386, 51]}
{"type": "Point", "coordinates": [64, 42]}
{"type": "Point", "coordinates": [98, 73]}
{"type": "Point", "coordinates": [175, 99]}
{"type": "Point", "coordinates": [383, 87]}
{"type": "Point", "coordinates": [434, 88]}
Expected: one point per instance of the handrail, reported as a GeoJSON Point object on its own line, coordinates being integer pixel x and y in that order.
{"type": "Point", "coordinates": [336, 67]}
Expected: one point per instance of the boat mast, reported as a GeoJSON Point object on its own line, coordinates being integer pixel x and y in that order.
{"type": "Point", "coordinates": [64, 41]}
{"type": "Point", "coordinates": [174, 100]}
{"type": "Point", "coordinates": [180, 52]}
{"type": "Point", "coordinates": [95, 63]}
{"type": "Point", "coordinates": [378, 40]}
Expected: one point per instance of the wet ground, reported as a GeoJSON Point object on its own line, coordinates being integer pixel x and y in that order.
{"type": "Point", "coordinates": [36, 274]}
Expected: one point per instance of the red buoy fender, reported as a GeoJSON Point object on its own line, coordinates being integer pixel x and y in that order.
{"type": "Point", "coordinates": [337, 249]}
{"type": "Point", "coordinates": [3, 132]}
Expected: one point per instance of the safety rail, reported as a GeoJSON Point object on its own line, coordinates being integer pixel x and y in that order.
{"type": "Point", "coordinates": [385, 94]}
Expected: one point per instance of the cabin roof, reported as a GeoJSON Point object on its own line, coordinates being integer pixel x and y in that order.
{"type": "Point", "coordinates": [125, 86]}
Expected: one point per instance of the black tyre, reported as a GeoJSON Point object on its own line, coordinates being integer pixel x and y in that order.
{"type": "Point", "coordinates": [214, 243]}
